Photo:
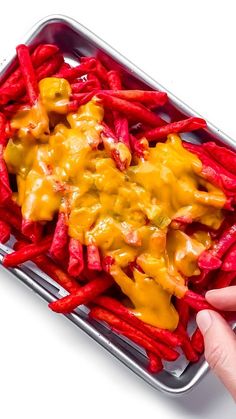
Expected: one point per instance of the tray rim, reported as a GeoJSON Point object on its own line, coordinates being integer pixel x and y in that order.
{"type": "Point", "coordinates": [45, 294]}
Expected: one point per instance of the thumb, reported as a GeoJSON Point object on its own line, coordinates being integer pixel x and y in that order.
{"type": "Point", "coordinates": [220, 347]}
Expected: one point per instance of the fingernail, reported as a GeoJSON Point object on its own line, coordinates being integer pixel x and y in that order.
{"type": "Point", "coordinates": [204, 321]}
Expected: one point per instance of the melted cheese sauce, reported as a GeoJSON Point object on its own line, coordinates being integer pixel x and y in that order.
{"type": "Point", "coordinates": [128, 215]}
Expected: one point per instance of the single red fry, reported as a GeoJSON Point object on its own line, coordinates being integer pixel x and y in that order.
{"type": "Point", "coordinates": [82, 98]}
{"type": "Point", "coordinates": [120, 122]}
{"type": "Point", "coordinates": [183, 311]}
{"type": "Point", "coordinates": [107, 262]}
{"type": "Point", "coordinates": [222, 279]}
{"type": "Point", "coordinates": [197, 341]}
{"type": "Point", "coordinates": [139, 147]}
{"type": "Point", "coordinates": [186, 125]}
{"type": "Point", "coordinates": [222, 155]}
{"type": "Point", "coordinates": [28, 73]}
{"type": "Point", "coordinates": [93, 256]}
{"type": "Point", "coordinates": [76, 259]}
{"type": "Point", "coordinates": [154, 365]}
{"type": "Point", "coordinates": [122, 130]}
{"type": "Point", "coordinates": [92, 77]}
{"type": "Point", "coordinates": [208, 261]}
{"type": "Point", "coordinates": [130, 109]}
{"type": "Point", "coordinates": [5, 231]}
{"type": "Point", "coordinates": [73, 73]}
{"type": "Point", "coordinates": [197, 301]}
{"type": "Point", "coordinates": [27, 253]}
{"type": "Point", "coordinates": [163, 335]}
{"type": "Point", "coordinates": [42, 52]}
{"type": "Point", "coordinates": [142, 96]}
{"type": "Point", "coordinates": [101, 71]}
{"type": "Point", "coordinates": [114, 81]}
{"type": "Point", "coordinates": [186, 346]}
{"type": "Point", "coordinates": [84, 295]}
{"type": "Point", "coordinates": [58, 249]}
{"type": "Point", "coordinates": [133, 334]}
{"type": "Point", "coordinates": [226, 240]}
{"type": "Point", "coordinates": [32, 230]}
{"type": "Point", "coordinates": [49, 67]}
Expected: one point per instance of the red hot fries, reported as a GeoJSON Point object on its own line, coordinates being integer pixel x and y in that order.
{"type": "Point", "coordinates": [222, 155]}
{"type": "Point", "coordinates": [118, 226]}
{"type": "Point", "coordinates": [27, 253]}
{"type": "Point", "coordinates": [52, 270]}
{"type": "Point", "coordinates": [196, 301]}
{"type": "Point", "coordinates": [76, 261]}
{"type": "Point", "coordinates": [169, 338]}
{"type": "Point", "coordinates": [137, 112]}
{"type": "Point", "coordinates": [155, 365]}
{"type": "Point", "coordinates": [78, 71]}
{"type": "Point", "coordinates": [84, 295]}
{"type": "Point", "coordinates": [60, 238]}
{"type": "Point", "coordinates": [28, 74]}
{"type": "Point", "coordinates": [197, 341]}
{"type": "Point", "coordinates": [130, 332]}
{"type": "Point", "coordinates": [186, 125]}
{"type": "Point", "coordinates": [186, 346]}
{"type": "Point", "coordinates": [94, 262]}
{"type": "Point", "coordinates": [229, 263]}
{"type": "Point", "coordinates": [142, 96]}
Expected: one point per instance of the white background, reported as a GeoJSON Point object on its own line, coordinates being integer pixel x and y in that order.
{"type": "Point", "coordinates": [48, 368]}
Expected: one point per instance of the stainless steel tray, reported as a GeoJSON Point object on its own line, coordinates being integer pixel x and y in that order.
{"type": "Point", "coordinates": [76, 41]}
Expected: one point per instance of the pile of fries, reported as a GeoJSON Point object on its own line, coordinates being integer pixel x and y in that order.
{"type": "Point", "coordinates": [101, 193]}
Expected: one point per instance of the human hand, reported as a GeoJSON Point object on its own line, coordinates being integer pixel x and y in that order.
{"type": "Point", "coordinates": [220, 340]}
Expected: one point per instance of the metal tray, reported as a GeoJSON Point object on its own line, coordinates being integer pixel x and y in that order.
{"type": "Point", "coordinates": [76, 41]}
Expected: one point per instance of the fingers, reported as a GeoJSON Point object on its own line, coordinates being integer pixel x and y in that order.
{"type": "Point", "coordinates": [223, 299]}
{"type": "Point", "coordinates": [220, 347]}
